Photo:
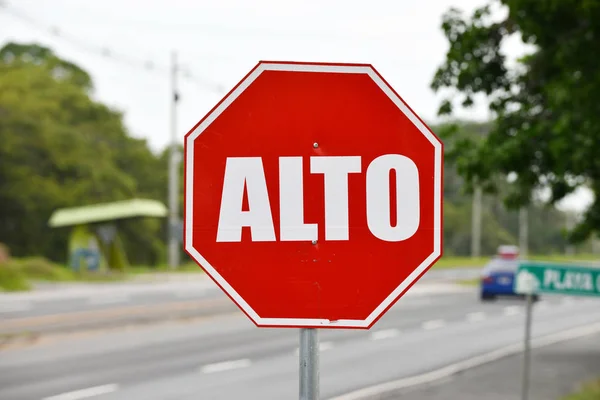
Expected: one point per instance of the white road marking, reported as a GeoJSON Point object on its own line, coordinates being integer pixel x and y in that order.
{"type": "Point", "coordinates": [225, 366]}
{"type": "Point", "coordinates": [99, 300]}
{"type": "Point", "coordinates": [11, 307]}
{"type": "Point", "coordinates": [385, 334]}
{"type": "Point", "coordinates": [433, 324]}
{"type": "Point", "coordinates": [455, 368]}
{"type": "Point", "coordinates": [512, 310]}
{"type": "Point", "coordinates": [85, 393]}
{"type": "Point", "coordinates": [476, 316]}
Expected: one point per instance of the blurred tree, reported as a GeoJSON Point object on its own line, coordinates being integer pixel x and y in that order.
{"type": "Point", "coordinates": [547, 126]}
{"type": "Point", "coordinates": [60, 148]}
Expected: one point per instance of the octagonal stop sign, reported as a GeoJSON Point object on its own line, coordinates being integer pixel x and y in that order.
{"type": "Point", "coordinates": [313, 195]}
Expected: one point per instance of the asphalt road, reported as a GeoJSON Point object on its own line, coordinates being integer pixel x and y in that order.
{"type": "Point", "coordinates": [56, 299]}
{"type": "Point", "coordinates": [229, 358]}
{"type": "Point", "coordinates": [556, 371]}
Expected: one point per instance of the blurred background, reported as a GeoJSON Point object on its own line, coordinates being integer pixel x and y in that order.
{"type": "Point", "coordinates": [96, 97]}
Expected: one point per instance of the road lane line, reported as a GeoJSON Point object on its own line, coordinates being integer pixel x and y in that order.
{"type": "Point", "coordinates": [512, 310]}
{"type": "Point", "coordinates": [225, 366]}
{"type": "Point", "coordinates": [452, 369]}
{"type": "Point", "coordinates": [100, 300]}
{"type": "Point", "coordinates": [476, 316]}
{"type": "Point", "coordinates": [85, 393]}
{"type": "Point", "coordinates": [11, 307]}
{"type": "Point", "coordinates": [433, 324]}
{"type": "Point", "coordinates": [385, 334]}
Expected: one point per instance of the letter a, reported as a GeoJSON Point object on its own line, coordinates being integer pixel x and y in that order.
{"type": "Point", "coordinates": [248, 172]}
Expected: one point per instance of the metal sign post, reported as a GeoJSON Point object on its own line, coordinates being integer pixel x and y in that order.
{"type": "Point", "coordinates": [527, 347]}
{"type": "Point", "coordinates": [309, 364]}
{"type": "Point", "coordinates": [526, 283]}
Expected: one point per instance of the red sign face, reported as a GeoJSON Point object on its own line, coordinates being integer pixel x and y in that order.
{"type": "Point", "coordinates": [313, 195]}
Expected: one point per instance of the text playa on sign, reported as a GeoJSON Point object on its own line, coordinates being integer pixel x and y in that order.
{"type": "Point", "coordinates": [313, 195]}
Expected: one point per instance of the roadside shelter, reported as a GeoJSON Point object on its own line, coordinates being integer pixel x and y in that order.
{"type": "Point", "coordinates": [94, 241]}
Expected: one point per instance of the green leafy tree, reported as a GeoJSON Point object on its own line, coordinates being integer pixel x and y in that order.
{"type": "Point", "coordinates": [547, 108]}
{"type": "Point", "coordinates": [60, 148]}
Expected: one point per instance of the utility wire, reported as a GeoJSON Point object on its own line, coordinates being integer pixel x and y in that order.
{"type": "Point", "coordinates": [107, 52]}
{"type": "Point", "coordinates": [213, 29]}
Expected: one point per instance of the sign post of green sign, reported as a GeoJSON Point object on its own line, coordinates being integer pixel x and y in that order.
{"type": "Point", "coordinates": [543, 277]}
{"type": "Point", "coordinates": [565, 279]}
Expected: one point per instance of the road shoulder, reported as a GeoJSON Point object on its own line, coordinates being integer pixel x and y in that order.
{"type": "Point", "coordinates": [557, 370]}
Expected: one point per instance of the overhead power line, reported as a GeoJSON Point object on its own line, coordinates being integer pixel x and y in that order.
{"type": "Point", "coordinates": [107, 52]}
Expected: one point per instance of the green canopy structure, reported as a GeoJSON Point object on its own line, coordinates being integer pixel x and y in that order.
{"type": "Point", "coordinates": [94, 242]}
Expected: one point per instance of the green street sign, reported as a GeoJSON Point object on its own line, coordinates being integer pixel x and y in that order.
{"type": "Point", "coordinates": [542, 277]}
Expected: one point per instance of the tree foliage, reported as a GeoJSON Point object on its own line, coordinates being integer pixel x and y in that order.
{"type": "Point", "coordinates": [60, 148]}
{"type": "Point", "coordinates": [499, 224]}
{"type": "Point", "coordinates": [547, 125]}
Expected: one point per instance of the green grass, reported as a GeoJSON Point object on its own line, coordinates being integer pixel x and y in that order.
{"type": "Point", "coordinates": [589, 391]}
{"type": "Point", "coordinates": [38, 268]}
{"type": "Point", "coordinates": [12, 278]}
{"type": "Point", "coordinates": [469, 282]}
{"type": "Point", "coordinates": [565, 258]}
{"type": "Point", "coordinates": [18, 273]}
{"type": "Point", "coordinates": [448, 262]}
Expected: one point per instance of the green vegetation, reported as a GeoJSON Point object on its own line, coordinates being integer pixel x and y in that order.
{"type": "Point", "coordinates": [12, 278]}
{"type": "Point", "coordinates": [589, 391]}
{"type": "Point", "coordinates": [545, 133]}
{"type": "Point", "coordinates": [60, 148]}
{"type": "Point", "coordinates": [18, 274]}
{"type": "Point", "coordinates": [448, 262]}
{"type": "Point", "coordinates": [469, 282]}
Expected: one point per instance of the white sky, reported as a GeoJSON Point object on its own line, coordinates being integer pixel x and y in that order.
{"type": "Point", "coordinates": [219, 41]}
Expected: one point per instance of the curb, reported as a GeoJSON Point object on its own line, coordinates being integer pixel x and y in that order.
{"type": "Point", "coordinates": [461, 366]}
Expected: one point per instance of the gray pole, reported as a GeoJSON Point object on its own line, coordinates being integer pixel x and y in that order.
{"type": "Point", "coordinates": [527, 348]}
{"type": "Point", "coordinates": [476, 223]}
{"type": "Point", "coordinates": [309, 364]}
{"type": "Point", "coordinates": [173, 171]}
{"type": "Point", "coordinates": [523, 232]}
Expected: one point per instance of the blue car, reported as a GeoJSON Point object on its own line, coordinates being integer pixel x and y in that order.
{"type": "Point", "coordinates": [498, 275]}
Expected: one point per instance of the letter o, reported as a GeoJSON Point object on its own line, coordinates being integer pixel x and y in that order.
{"type": "Point", "coordinates": [407, 197]}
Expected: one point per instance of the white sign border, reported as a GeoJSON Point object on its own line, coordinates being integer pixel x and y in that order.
{"type": "Point", "coordinates": [189, 195]}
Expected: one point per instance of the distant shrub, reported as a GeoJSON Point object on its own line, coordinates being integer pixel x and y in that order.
{"type": "Point", "coordinates": [12, 278]}
{"type": "Point", "coordinates": [39, 268]}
